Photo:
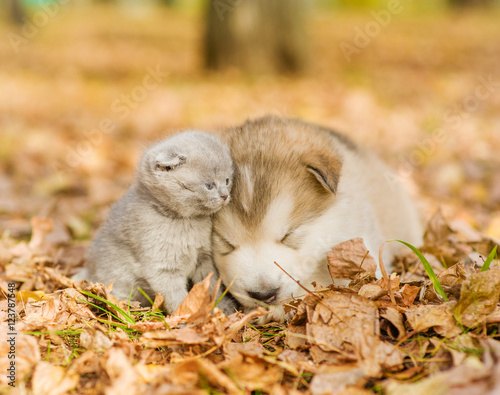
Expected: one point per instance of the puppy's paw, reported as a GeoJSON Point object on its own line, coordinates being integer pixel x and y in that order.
{"type": "Point", "coordinates": [277, 314]}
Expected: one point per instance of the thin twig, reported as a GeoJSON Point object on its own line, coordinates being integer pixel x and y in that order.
{"type": "Point", "coordinates": [384, 273]}
{"type": "Point", "coordinates": [298, 282]}
{"type": "Point", "coordinates": [362, 261]}
{"type": "Point", "coordinates": [208, 352]}
{"type": "Point", "coordinates": [405, 338]}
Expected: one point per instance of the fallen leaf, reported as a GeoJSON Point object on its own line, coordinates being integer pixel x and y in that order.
{"type": "Point", "coordinates": [27, 355]}
{"type": "Point", "coordinates": [349, 325]}
{"type": "Point", "coordinates": [216, 377]}
{"type": "Point", "coordinates": [335, 380]}
{"type": "Point", "coordinates": [158, 302]}
{"type": "Point", "coordinates": [53, 380]}
{"type": "Point", "coordinates": [479, 297]}
{"type": "Point", "coordinates": [251, 349]}
{"type": "Point", "coordinates": [123, 377]}
{"type": "Point", "coordinates": [350, 258]}
{"type": "Point", "coordinates": [452, 276]}
{"type": "Point", "coordinates": [372, 291]}
{"type": "Point", "coordinates": [198, 303]}
{"type": "Point", "coordinates": [395, 318]}
{"type": "Point", "coordinates": [409, 293]}
{"type": "Point", "coordinates": [437, 230]}
{"type": "Point", "coordinates": [295, 337]}
{"type": "Point", "coordinates": [185, 335]}
{"type": "Point", "coordinates": [94, 339]}
{"type": "Point", "coordinates": [438, 317]}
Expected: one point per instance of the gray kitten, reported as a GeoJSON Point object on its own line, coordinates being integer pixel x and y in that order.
{"type": "Point", "coordinates": [158, 235]}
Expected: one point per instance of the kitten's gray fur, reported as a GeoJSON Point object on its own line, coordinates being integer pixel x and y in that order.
{"type": "Point", "coordinates": [158, 235]}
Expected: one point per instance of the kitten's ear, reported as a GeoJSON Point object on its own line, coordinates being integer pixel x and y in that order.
{"type": "Point", "coordinates": [170, 163]}
{"type": "Point", "coordinates": [325, 166]}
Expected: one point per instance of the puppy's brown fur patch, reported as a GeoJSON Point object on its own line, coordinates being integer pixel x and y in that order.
{"type": "Point", "coordinates": [282, 157]}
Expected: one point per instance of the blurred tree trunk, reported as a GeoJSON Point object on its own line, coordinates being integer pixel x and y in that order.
{"type": "Point", "coordinates": [16, 11]}
{"type": "Point", "coordinates": [257, 35]}
{"type": "Point", "coordinates": [469, 3]}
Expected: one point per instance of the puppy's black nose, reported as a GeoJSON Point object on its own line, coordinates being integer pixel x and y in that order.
{"type": "Point", "coordinates": [266, 296]}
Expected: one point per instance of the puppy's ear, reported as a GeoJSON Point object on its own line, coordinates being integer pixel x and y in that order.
{"type": "Point", "coordinates": [325, 167]}
{"type": "Point", "coordinates": [170, 162]}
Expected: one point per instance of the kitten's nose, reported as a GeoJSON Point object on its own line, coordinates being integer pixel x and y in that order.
{"type": "Point", "coordinates": [224, 197]}
{"type": "Point", "coordinates": [266, 296]}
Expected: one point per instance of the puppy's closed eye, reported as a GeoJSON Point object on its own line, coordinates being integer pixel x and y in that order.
{"type": "Point", "coordinates": [290, 239]}
{"type": "Point", "coordinates": [222, 245]}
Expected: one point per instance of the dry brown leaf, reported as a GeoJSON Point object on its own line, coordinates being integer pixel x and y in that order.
{"type": "Point", "coordinates": [437, 230]}
{"type": "Point", "coordinates": [479, 297]}
{"type": "Point", "coordinates": [409, 293]}
{"type": "Point", "coordinates": [123, 377]}
{"type": "Point", "coordinates": [185, 335]}
{"type": "Point", "coordinates": [198, 303]}
{"type": "Point", "coordinates": [472, 377]}
{"type": "Point", "coordinates": [158, 302]}
{"type": "Point", "coordinates": [393, 316]}
{"type": "Point", "coordinates": [439, 317]}
{"type": "Point", "coordinates": [27, 355]}
{"type": "Point", "coordinates": [94, 339]}
{"type": "Point", "coordinates": [236, 323]}
{"type": "Point", "coordinates": [349, 325]}
{"type": "Point", "coordinates": [186, 374]}
{"type": "Point", "coordinates": [53, 380]}
{"type": "Point", "coordinates": [295, 337]}
{"type": "Point", "coordinates": [452, 276]}
{"type": "Point", "coordinates": [300, 360]}
{"type": "Point", "coordinates": [334, 380]}
{"type": "Point", "coordinates": [320, 357]}
{"type": "Point", "coordinates": [255, 374]}
{"type": "Point", "coordinates": [492, 347]}
{"type": "Point", "coordinates": [416, 348]}
{"type": "Point", "coordinates": [350, 258]}
{"type": "Point", "coordinates": [340, 321]}
{"type": "Point", "coordinates": [251, 349]}
{"type": "Point", "coordinates": [461, 347]}
{"type": "Point", "coordinates": [216, 377]}
{"type": "Point", "coordinates": [372, 291]}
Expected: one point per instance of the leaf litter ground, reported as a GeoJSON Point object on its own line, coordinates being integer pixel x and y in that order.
{"type": "Point", "coordinates": [390, 335]}
{"type": "Point", "coordinates": [393, 336]}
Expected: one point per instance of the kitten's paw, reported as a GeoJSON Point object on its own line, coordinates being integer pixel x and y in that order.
{"type": "Point", "coordinates": [82, 274]}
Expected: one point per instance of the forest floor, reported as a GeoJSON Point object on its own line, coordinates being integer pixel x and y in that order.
{"type": "Point", "coordinates": [75, 116]}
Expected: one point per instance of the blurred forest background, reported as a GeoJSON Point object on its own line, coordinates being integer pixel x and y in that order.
{"type": "Point", "coordinates": [85, 86]}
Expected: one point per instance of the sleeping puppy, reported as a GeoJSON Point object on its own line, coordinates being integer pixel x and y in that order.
{"type": "Point", "coordinates": [298, 191]}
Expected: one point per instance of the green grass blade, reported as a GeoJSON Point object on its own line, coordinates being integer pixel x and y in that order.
{"type": "Point", "coordinates": [105, 311]}
{"type": "Point", "coordinates": [428, 269]}
{"type": "Point", "coordinates": [145, 295]}
{"type": "Point", "coordinates": [488, 261]}
{"type": "Point", "coordinates": [224, 293]}
{"type": "Point", "coordinates": [128, 318]}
